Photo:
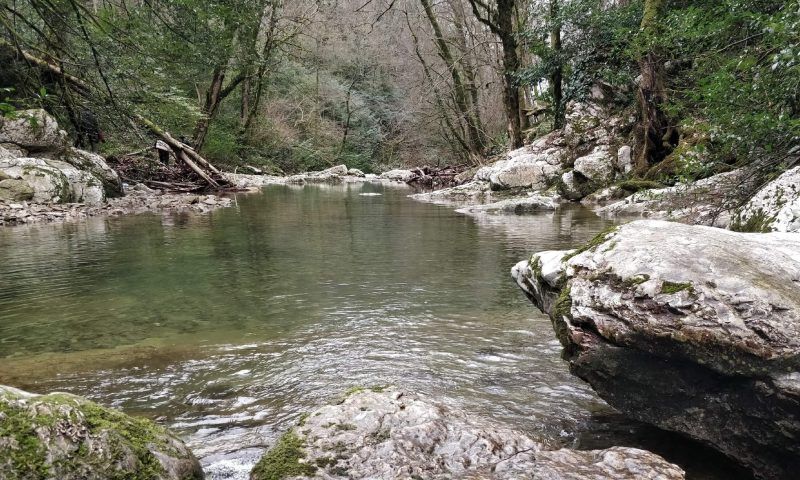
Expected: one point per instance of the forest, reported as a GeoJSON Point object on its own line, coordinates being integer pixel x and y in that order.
{"type": "Point", "coordinates": [304, 85]}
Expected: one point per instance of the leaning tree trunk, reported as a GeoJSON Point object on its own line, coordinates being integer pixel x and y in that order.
{"type": "Point", "coordinates": [657, 136]}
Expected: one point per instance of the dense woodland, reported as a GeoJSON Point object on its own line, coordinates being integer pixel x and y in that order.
{"type": "Point", "coordinates": [295, 85]}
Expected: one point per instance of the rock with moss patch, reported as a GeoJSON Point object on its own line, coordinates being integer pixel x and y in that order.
{"type": "Point", "coordinates": [775, 208]}
{"type": "Point", "coordinates": [392, 434]}
{"type": "Point", "coordinates": [709, 201]}
{"type": "Point", "coordinates": [48, 183]}
{"type": "Point", "coordinates": [14, 190]}
{"type": "Point", "coordinates": [694, 329]}
{"type": "Point", "coordinates": [95, 165]}
{"type": "Point", "coordinates": [69, 438]}
{"type": "Point", "coordinates": [32, 130]}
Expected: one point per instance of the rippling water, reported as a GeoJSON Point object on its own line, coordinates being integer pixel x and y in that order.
{"type": "Point", "coordinates": [228, 326]}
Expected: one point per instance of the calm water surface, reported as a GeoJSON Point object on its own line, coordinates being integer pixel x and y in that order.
{"type": "Point", "coordinates": [228, 326]}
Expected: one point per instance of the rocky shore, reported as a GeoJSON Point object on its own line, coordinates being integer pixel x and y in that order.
{"type": "Point", "coordinates": [590, 162]}
{"type": "Point", "coordinates": [390, 433]}
{"type": "Point", "coordinates": [43, 179]}
{"type": "Point", "coordinates": [693, 329]}
{"type": "Point", "coordinates": [374, 433]}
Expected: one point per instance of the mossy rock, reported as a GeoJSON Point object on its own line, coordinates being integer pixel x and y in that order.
{"type": "Point", "coordinates": [13, 190]}
{"type": "Point", "coordinates": [70, 438]}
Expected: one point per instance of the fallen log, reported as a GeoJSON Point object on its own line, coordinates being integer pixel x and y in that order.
{"type": "Point", "coordinates": [182, 151]}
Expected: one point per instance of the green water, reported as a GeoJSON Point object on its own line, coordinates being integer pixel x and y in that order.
{"type": "Point", "coordinates": [228, 326]}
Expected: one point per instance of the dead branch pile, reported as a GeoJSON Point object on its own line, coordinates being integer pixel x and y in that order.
{"type": "Point", "coordinates": [434, 177]}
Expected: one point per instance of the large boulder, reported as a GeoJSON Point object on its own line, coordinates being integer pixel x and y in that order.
{"type": "Point", "coordinates": [53, 181]}
{"type": "Point", "coordinates": [775, 208]}
{"type": "Point", "coordinates": [390, 434]}
{"type": "Point", "coordinates": [69, 438]}
{"type": "Point", "coordinates": [598, 166]}
{"type": "Point", "coordinates": [693, 329]}
{"type": "Point", "coordinates": [32, 130]}
{"type": "Point", "coordinates": [49, 184]}
{"type": "Point", "coordinates": [97, 166]}
{"type": "Point", "coordinates": [14, 190]}
{"type": "Point", "coordinates": [399, 175]}
{"type": "Point", "coordinates": [527, 167]}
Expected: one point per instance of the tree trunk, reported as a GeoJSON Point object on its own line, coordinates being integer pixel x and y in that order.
{"type": "Point", "coordinates": [209, 107]}
{"type": "Point", "coordinates": [556, 78]}
{"type": "Point", "coordinates": [474, 135]}
{"type": "Point", "coordinates": [501, 22]}
{"type": "Point", "coordinates": [505, 25]}
{"type": "Point", "coordinates": [657, 137]}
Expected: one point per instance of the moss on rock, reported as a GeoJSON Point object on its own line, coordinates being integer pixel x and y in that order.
{"type": "Point", "coordinates": [283, 460]}
{"type": "Point", "coordinates": [67, 437]}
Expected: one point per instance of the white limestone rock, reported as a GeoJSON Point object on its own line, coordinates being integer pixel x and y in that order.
{"type": "Point", "coordinates": [691, 328]}
{"type": "Point", "coordinates": [392, 434]}
{"type": "Point", "coordinates": [598, 166]}
{"type": "Point", "coordinates": [523, 168]}
{"type": "Point", "coordinates": [775, 208]}
{"type": "Point", "coordinates": [32, 130]}
{"type": "Point", "coordinates": [399, 175]}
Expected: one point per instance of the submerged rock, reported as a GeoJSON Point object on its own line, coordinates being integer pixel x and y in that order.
{"type": "Point", "coordinates": [693, 329]}
{"type": "Point", "coordinates": [775, 208]}
{"type": "Point", "coordinates": [61, 436]}
{"type": "Point", "coordinates": [518, 206]}
{"type": "Point", "coordinates": [390, 434]}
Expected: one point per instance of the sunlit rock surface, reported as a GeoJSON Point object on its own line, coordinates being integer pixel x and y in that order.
{"type": "Point", "coordinates": [694, 329]}
{"type": "Point", "coordinates": [391, 434]}
{"type": "Point", "coordinates": [61, 436]}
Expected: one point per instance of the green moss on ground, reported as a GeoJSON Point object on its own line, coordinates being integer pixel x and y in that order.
{"type": "Point", "coordinates": [675, 287]}
{"type": "Point", "coordinates": [283, 460]}
{"type": "Point", "coordinates": [634, 185]}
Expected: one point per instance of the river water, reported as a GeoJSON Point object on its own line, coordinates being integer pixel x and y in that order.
{"type": "Point", "coordinates": [229, 326]}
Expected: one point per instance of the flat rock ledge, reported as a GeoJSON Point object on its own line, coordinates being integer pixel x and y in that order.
{"type": "Point", "coordinates": [693, 329]}
{"type": "Point", "coordinates": [135, 202]}
{"type": "Point", "coordinates": [61, 436]}
{"type": "Point", "coordinates": [391, 434]}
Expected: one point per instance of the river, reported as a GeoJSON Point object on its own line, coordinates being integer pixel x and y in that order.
{"type": "Point", "coordinates": [228, 326]}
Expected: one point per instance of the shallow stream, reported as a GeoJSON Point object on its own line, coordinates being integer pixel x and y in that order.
{"type": "Point", "coordinates": [228, 326]}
